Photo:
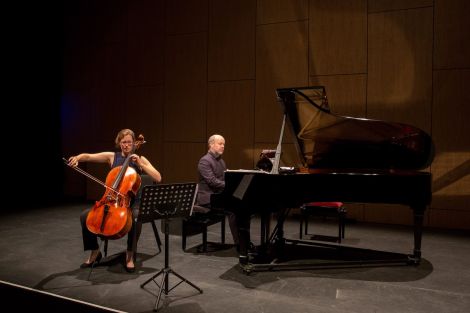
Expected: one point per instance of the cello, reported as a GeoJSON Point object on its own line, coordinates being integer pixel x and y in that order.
{"type": "Point", "coordinates": [111, 216]}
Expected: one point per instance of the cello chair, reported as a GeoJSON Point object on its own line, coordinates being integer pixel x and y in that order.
{"type": "Point", "coordinates": [198, 223]}
{"type": "Point", "coordinates": [323, 209]}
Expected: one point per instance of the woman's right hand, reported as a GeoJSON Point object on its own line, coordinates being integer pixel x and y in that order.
{"type": "Point", "coordinates": [73, 160]}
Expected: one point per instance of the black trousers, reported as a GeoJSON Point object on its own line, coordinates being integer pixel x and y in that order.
{"type": "Point", "coordinates": [90, 240]}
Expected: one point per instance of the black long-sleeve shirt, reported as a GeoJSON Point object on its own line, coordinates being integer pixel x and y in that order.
{"type": "Point", "coordinates": [211, 177]}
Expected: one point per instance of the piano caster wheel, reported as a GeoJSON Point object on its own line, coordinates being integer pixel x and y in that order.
{"type": "Point", "coordinates": [247, 269]}
{"type": "Point", "coordinates": [413, 260]}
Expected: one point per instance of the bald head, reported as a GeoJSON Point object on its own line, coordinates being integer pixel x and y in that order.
{"type": "Point", "coordinates": [216, 144]}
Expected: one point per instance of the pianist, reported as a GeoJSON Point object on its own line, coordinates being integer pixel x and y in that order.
{"type": "Point", "coordinates": [211, 170]}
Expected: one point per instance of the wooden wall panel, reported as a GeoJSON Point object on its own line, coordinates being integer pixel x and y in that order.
{"type": "Point", "coordinates": [451, 110]}
{"type": "Point", "coordinates": [451, 39]}
{"type": "Point", "coordinates": [281, 61]}
{"type": "Point", "coordinates": [453, 219]}
{"type": "Point", "coordinates": [113, 70]}
{"type": "Point", "coordinates": [232, 40]}
{"type": "Point", "coordinates": [107, 116]}
{"type": "Point", "coordinates": [145, 62]}
{"type": "Point", "coordinates": [346, 93]}
{"type": "Point", "coordinates": [145, 70]}
{"type": "Point", "coordinates": [278, 11]}
{"type": "Point", "coordinates": [400, 68]}
{"type": "Point", "coordinates": [230, 113]}
{"type": "Point", "coordinates": [451, 166]}
{"type": "Point", "coordinates": [145, 42]}
{"type": "Point", "coordinates": [180, 161]}
{"type": "Point", "coordinates": [338, 37]}
{"type": "Point", "coordinates": [145, 19]}
{"type": "Point", "coordinates": [454, 200]}
{"type": "Point", "coordinates": [94, 22]}
{"type": "Point", "coordinates": [388, 214]}
{"type": "Point", "coordinates": [79, 65]}
{"type": "Point", "coordinates": [186, 16]}
{"type": "Point", "coordinates": [387, 5]}
{"type": "Point", "coordinates": [113, 19]}
{"type": "Point", "coordinates": [106, 94]}
{"type": "Point", "coordinates": [146, 117]}
{"type": "Point", "coordinates": [185, 88]}
{"type": "Point", "coordinates": [354, 211]}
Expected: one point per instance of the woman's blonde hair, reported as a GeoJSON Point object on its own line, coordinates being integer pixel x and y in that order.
{"type": "Point", "coordinates": [122, 133]}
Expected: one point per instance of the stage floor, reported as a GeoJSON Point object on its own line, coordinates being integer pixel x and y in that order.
{"type": "Point", "coordinates": [42, 250]}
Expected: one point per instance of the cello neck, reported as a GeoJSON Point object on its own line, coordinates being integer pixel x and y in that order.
{"type": "Point", "coordinates": [122, 171]}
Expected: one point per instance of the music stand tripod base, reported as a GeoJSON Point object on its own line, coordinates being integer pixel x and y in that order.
{"type": "Point", "coordinates": [167, 201]}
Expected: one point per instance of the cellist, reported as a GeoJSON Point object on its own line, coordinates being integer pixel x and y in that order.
{"type": "Point", "coordinates": [125, 140]}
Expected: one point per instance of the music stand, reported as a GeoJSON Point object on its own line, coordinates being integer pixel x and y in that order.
{"type": "Point", "coordinates": [164, 202]}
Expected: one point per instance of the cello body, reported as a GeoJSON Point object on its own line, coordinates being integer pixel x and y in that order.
{"type": "Point", "coordinates": [111, 216]}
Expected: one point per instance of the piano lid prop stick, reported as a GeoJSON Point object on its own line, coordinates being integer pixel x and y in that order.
{"type": "Point", "coordinates": [275, 169]}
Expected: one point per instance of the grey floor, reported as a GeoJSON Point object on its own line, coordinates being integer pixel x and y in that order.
{"type": "Point", "coordinates": [42, 249]}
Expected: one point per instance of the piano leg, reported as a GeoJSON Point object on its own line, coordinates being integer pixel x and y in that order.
{"type": "Point", "coordinates": [243, 223]}
{"type": "Point", "coordinates": [418, 215]}
{"type": "Point", "coordinates": [265, 228]}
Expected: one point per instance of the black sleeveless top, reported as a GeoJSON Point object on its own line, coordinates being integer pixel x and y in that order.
{"type": "Point", "coordinates": [119, 160]}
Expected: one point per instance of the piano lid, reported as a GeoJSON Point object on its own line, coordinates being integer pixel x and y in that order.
{"type": "Point", "coordinates": [327, 140]}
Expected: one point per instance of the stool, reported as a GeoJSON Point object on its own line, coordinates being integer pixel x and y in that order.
{"type": "Point", "coordinates": [199, 222]}
{"type": "Point", "coordinates": [324, 209]}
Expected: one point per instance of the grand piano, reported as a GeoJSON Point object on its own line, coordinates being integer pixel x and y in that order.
{"type": "Point", "coordinates": [347, 159]}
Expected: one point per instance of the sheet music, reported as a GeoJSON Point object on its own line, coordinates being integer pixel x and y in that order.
{"type": "Point", "coordinates": [239, 193]}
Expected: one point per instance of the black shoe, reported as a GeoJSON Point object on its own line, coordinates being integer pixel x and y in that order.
{"type": "Point", "coordinates": [97, 260]}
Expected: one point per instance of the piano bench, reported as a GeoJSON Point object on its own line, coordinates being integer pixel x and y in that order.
{"type": "Point", "coordinates": [198, 224]}
{"type": "Point", "coordinates": [323, 209]}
